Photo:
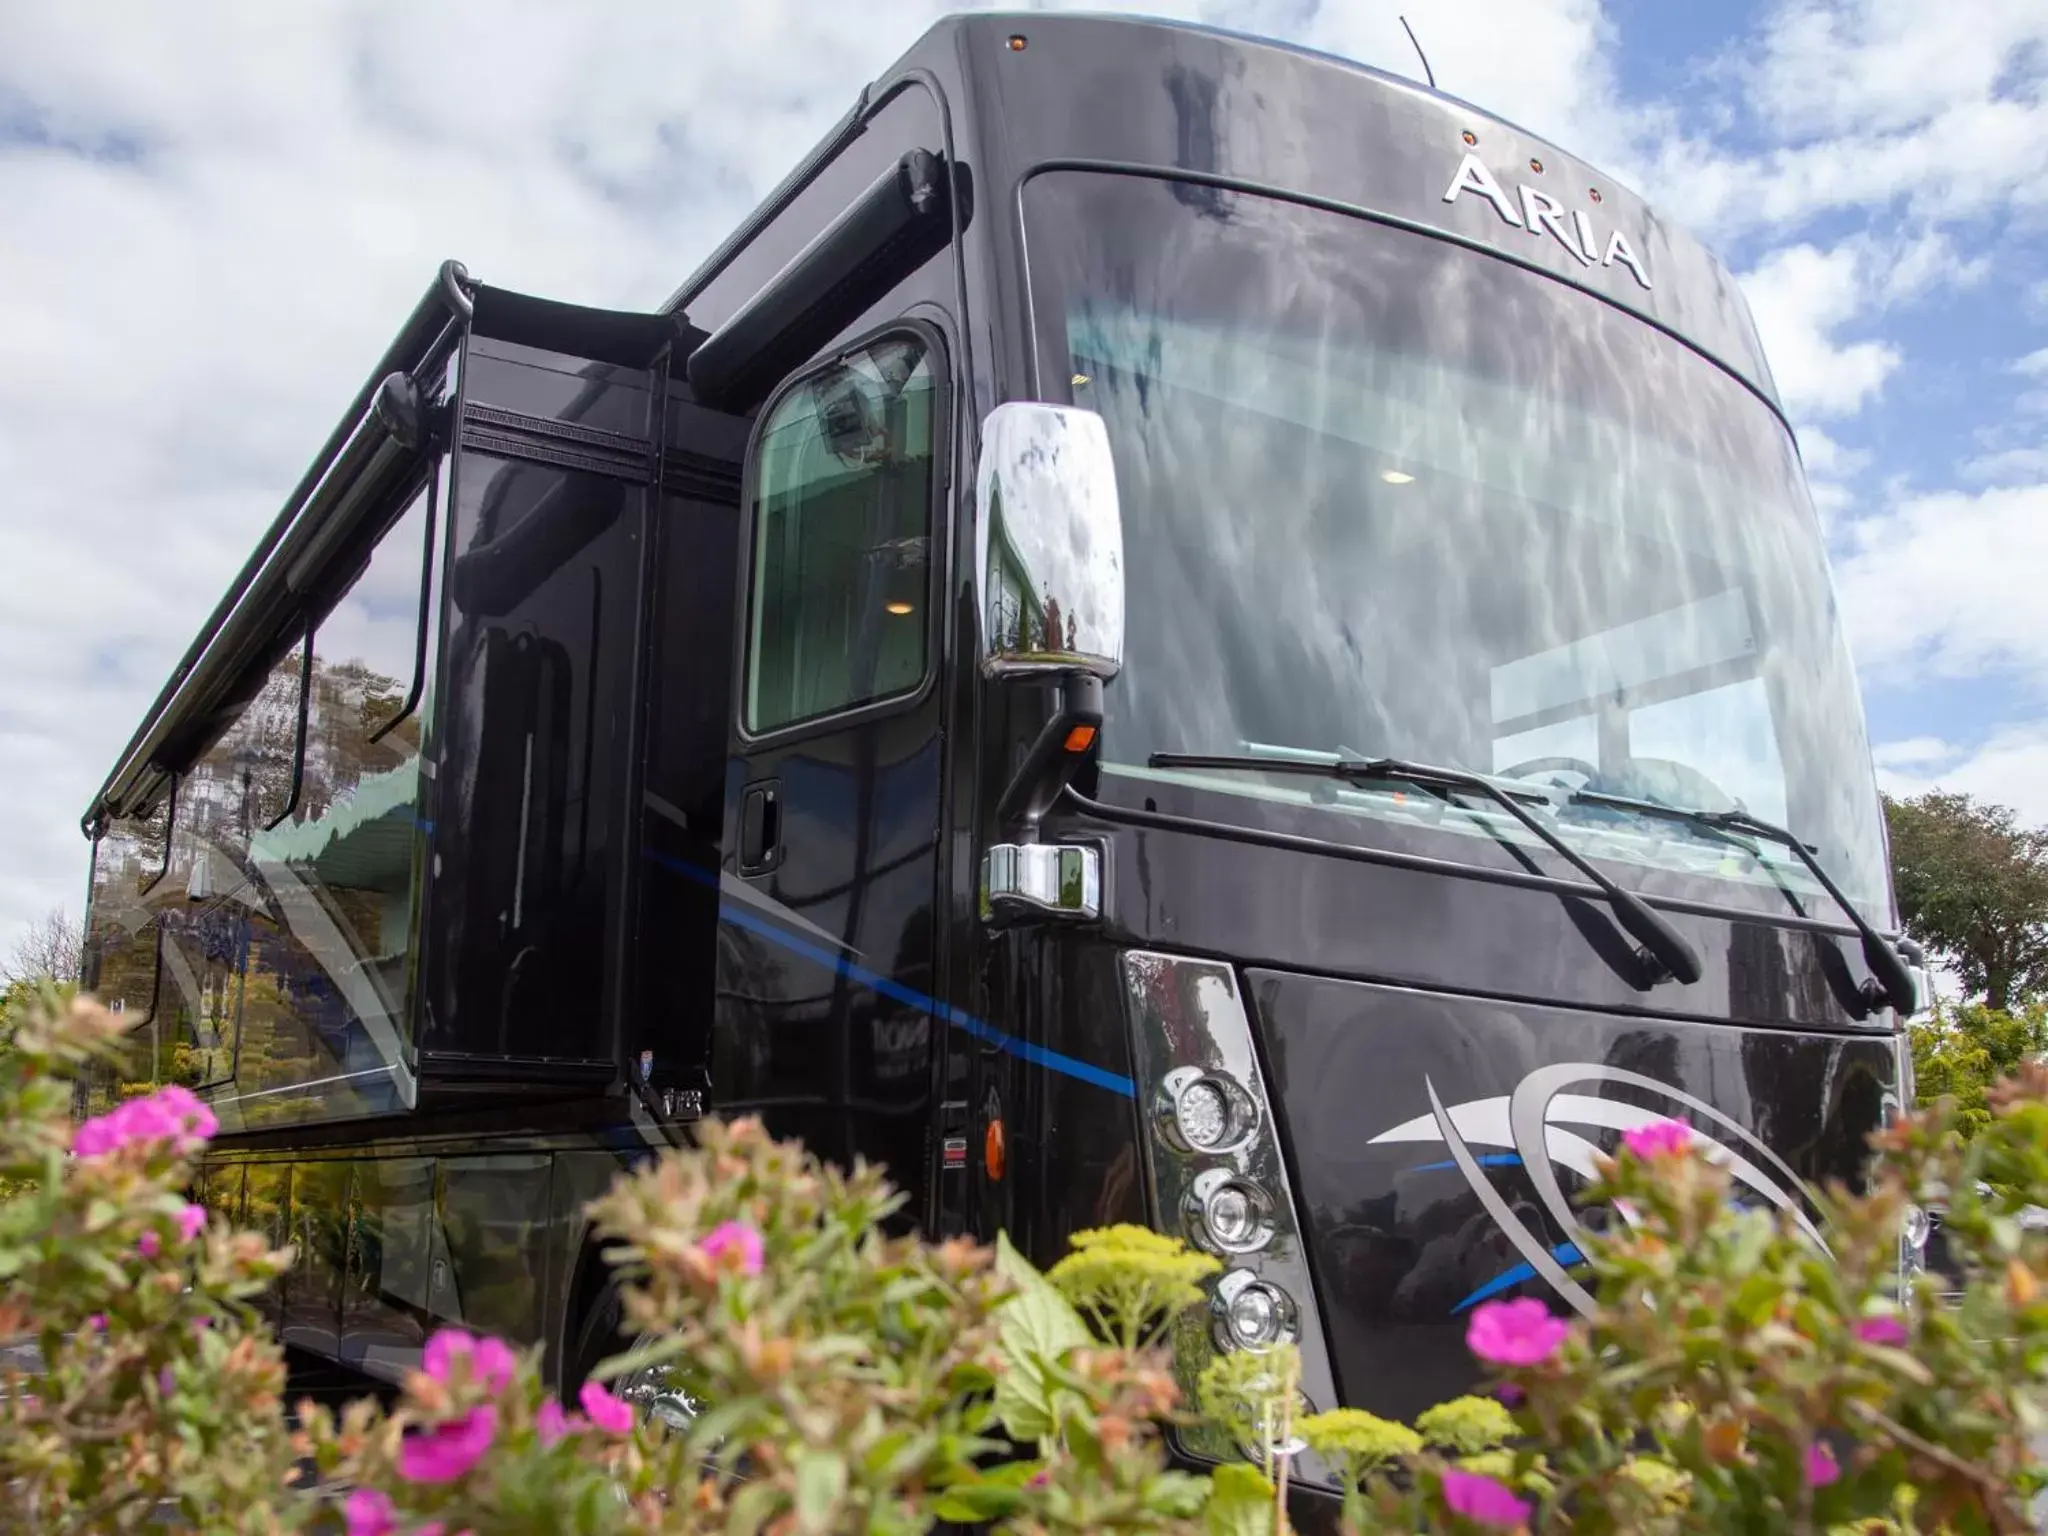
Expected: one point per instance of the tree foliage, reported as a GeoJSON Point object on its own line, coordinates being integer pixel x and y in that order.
{"type": "Point", "coordinates": [1962, 1050]}
{"type": "Point", "coordinates": [1972, 886]}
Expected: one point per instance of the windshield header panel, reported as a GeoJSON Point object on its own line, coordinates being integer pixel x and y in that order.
{"type": "Point", "coordinates": [1103, 91]}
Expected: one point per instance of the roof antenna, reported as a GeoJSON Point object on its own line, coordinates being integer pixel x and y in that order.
{"type": "Point", "coordinates": [1426, 70]}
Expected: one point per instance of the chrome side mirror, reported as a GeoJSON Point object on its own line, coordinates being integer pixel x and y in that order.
{"type": "Point", "coordinates": [1049, 567]}
{"type": "Point", "coordinates": [1049, 583]}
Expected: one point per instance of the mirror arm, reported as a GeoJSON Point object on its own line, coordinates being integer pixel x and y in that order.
{"type": "Point", "coordinates": [1050, 764]}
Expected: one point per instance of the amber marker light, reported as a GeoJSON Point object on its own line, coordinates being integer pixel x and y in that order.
{"type": "Point", "coordinates": [899, 608]}
{"type": "Point", "coordinates": [1081, 738]}
{"type": "Point", "coordinates": [993, 1156]}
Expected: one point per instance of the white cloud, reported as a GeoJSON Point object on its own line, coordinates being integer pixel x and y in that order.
{"type": "Point", "coordinates": [1914, 752]}
{"type": "Point", "coordinates": [1938, 110]}
{"type": "Point", "coordinates": [2034, 365]}
{"type": "Point", "coordinates": [1800, 297]}
{"type": "Point", "coordinates": [215, 218]}
{"type": "Point", "coordinates": [1948, 585]}
{"type": "Point", "coordinates": [1830, 469]}
{"type": "Point", "coordinates": [2007, 466]}
{"type": "Point", "coordinates": [1886, 65]}
{"type": "Point", "coordinates": [1923, 263]}
{"type": "Point", "coordinates": [1824, 457]}
{"type": "Point", "coordinates": [2011, 768]}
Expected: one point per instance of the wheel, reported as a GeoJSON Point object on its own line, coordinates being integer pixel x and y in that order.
{"type": "Point", "coordinates": [599, 1335]}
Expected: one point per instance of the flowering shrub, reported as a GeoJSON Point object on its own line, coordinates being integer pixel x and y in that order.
{"type": "Point", "coordinates": [1736, 1377]}
{"type": "Point", "coordinates": [149, 1394]}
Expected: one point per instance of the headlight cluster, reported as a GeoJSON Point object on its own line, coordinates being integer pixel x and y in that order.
{"type": "Point", "coordinates": [1218, 1177]}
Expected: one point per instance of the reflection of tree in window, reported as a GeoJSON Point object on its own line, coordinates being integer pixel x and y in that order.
{"type": "Point", "coordinates": [285, 917]}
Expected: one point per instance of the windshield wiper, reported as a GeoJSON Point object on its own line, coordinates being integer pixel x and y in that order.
{"type": "Point", "coordinates": [1665, 951]}
{"type": "Point", "coordinates": [1891, 980]}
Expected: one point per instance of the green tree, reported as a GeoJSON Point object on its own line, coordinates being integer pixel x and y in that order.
{"type": "Point", "coordinates": [1973, 888]}
{"type": "Point", "coordinates": [1963, 1049]}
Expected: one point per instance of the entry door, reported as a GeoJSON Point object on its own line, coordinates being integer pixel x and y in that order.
{"type": "Point", "coordinates": [825, 1016]}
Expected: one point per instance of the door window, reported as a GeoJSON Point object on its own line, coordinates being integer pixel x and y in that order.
{"type": "Point", "coordinates": [842, 518]}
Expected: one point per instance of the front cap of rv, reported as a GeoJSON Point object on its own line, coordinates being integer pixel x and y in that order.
{"type": "Point", "coordinates": [1430, 1139]}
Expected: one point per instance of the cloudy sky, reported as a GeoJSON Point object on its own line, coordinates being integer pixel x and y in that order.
{"type": "Point", "coordinates": [213, 216]}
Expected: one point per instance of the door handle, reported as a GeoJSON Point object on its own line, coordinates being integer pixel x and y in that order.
{"type": "Point", "coordinates": [760, 827]}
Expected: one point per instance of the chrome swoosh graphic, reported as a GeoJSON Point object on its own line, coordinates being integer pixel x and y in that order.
{"type": "Point", "coordinates": [1531, 1123]}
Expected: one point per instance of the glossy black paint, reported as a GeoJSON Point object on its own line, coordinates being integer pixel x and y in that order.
{"type": "Point", "coordinates": [539, 626]}
{"type": "Point", "coordinates": [1463, 918]}
{"type": "Point", "coordinates": [1399, 1242]}
{"type": "Point", "coordinates": [869, 1009]}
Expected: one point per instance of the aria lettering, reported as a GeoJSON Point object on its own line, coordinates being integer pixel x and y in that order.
{"type": "Point", "coordinates": [1541, 214]}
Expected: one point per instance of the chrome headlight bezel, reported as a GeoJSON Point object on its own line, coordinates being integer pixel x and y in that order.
{"type": "Point", "coordinates": [1180, 1088]}
{"type": "Point", "coordinates": [1189, 1025]}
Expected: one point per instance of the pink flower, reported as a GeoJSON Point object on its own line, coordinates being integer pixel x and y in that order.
{"type": "Point", "coordinates": [1821, 1466]}
{"type": "Point", "coordinates": [490, 1361]}
{"type": "Point", "coordinates": [150, 1245]}
{"type": "Point", "coordinates": [171, 1114]}
{"type": "Point", "coordinates": [166, 1383]}
{"type": "Point", "coordinates": [552, 1423]}
{"type": "Point", "coordinates": [369, 1513]}
{"type": "Point", "coordinates": [200, 1325]}
{"type": "Point", "coordinates": [1484, 1500]}
{"type": "Point", "coordinates": [608, 1413]}
{"type": "Point", "coordinates": [191, 1222]}
{"type": "Point", "coordinates": [94, 1137]}
{"type": "Point", "coordinates": [445, 1452]}
{"type": "Point", "coordinates": [97, 1322]}
{"type": "Point", "coordinates": [1660, 1138]}
{"type": "Point", "coordinates": [1519, 1332]}
{"type": "Point", "coordinates": [734, 1245]}
{"type": "Point", "coordinates": [1881, 1330]}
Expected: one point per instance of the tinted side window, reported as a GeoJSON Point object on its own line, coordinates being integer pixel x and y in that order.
{"type": "Point", "coordinates": [120, 956]}
{"type": "Point", "coordinates": [323, 1023]}
{"type": "Point", "coordinates": [287, 910]}
{"type": "Point", "coordinates": [841, 534]}
{"type": "Point", "coordinates": [120, 960]}
{"type": "Point", "coordinates": [212, 911]}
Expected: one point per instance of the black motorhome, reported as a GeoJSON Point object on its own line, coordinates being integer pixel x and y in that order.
{"type": "Point", "coordinates": [1174, 630]}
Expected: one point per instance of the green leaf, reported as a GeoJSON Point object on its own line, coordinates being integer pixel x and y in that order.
{"type": "Point", "coordinates": [1241, 1502]}
{"type": "Point", "coordinates": [1037, 1325]}
{"type": "Point", "coordinates": [1757, 1298]}
{"type": "Point", "coordinates": [1906, 1365]}
{"type": "Point", "coordinates": [751, 1507]}
{"type": "Point", "coordinates": [820, 1485]}
{"type": "Point", "coordinates": [984, 1499]}
{"type": "Point", "coordinates": [1177, 1495]}
{"type": "Point", "coordinates": [716, 1424]}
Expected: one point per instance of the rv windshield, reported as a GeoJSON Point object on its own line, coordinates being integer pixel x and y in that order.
{"type": "Point", "coordinates": [1387, 496]}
